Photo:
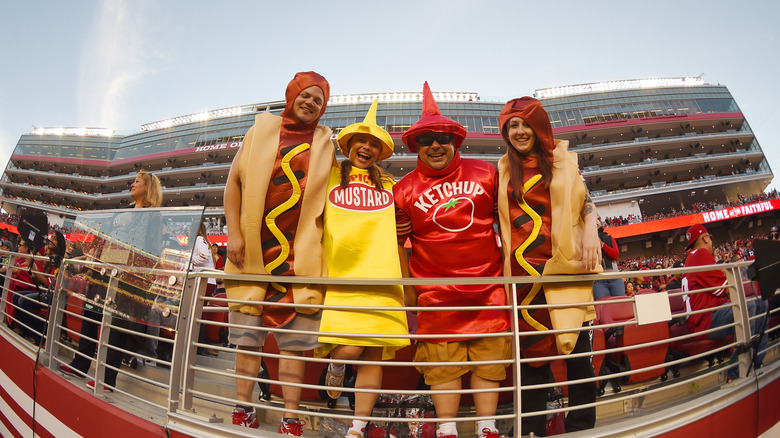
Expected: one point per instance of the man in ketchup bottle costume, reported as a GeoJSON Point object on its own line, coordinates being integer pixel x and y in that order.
{"type": "Point", "coordinates": [446, 208]}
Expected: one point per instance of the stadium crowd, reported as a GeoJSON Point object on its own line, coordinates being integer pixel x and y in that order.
{"type": "Point", "coordinates": [696, 207]}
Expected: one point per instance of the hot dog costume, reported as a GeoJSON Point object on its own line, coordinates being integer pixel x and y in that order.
{"type": "Point", "coordinates": [543, 235]}
{"type": "Point", "coordinates": [281, 221]}
{"type": "Point", "coordinates": [448, 215]}
{"type": "Point", "coordinates": [359, 242]}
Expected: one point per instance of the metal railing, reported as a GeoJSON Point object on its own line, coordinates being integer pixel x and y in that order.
{"type": "Point", "coordinates": [196, 393]}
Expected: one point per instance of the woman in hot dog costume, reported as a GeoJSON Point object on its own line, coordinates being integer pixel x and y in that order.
{"type": "Point", "coordinates": [360, 242]}
{"type": "Point", "coordinates": [548, 226]}
{"type": "Point", "coordinates": [274, 200]}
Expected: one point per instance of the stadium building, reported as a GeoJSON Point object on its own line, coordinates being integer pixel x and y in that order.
{"type": "Point", "coordinates": [646, 147]}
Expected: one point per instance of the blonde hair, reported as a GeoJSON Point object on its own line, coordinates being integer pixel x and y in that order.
{"type": "Point", "coordinates": [153, 197]}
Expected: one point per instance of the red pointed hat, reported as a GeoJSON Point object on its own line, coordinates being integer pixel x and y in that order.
{"type": "Point", "coordinates": [433, 121]}
{"type": "Point", "coordinates": [533, 113]}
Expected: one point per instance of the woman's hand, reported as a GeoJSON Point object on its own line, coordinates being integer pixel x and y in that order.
{"type": "Point", "coordinates": [591, 249]}
{"type": "Point", "coordinates": [235, 250]}
{"type": "Point", "coordinates": [591, 244]}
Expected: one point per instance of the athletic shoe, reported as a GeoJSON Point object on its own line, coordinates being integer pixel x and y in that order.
{"type": "Point", "coordinates": [91, 386]}
{"type": "Point", "coordinates": [332, 379]}
{"type": "Point", "coordinates": [448, 433]}
{"type": "Point", "coordinates": [488, 433]}
{"type": "Point", "coordinates": [246, 419]}
{"type": "Point", "coordinates": [352, 433]}
{"type": "Point", "coordinates": [65, 369]}
{"type": "Point", "coordinates": [295, 428]}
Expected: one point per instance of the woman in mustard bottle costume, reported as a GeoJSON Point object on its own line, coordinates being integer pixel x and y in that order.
{"type": "Point", "coordinates": [359, 241]}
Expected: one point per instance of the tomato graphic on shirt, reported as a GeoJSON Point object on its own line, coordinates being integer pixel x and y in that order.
{"type": "Point", "coordinates": [455, 215]}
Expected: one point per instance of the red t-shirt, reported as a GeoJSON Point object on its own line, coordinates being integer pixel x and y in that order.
{"type": "Point", "coordinates": [701, 280]}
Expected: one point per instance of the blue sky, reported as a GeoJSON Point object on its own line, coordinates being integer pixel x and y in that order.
{"type": "Point", "coordinates": [123, 63]}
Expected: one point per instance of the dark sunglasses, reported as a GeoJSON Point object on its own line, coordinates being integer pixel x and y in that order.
{"type": "Point", "coordinates": [428, 139]}
{"type": "Point", "coordinates": [775, 236]}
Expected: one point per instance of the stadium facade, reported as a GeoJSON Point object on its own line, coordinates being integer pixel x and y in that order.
{"type": "Point", "coordinates": [644, 147]}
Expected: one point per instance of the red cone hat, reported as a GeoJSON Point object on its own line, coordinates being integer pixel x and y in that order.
{"type": "Point", "coordinates": [433, 121]}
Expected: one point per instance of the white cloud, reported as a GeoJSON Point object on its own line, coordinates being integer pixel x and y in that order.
{"type": "Point", "coordinates": [117, 53]}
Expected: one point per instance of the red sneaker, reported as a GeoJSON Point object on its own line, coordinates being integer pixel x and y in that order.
{"type": "Point", "coordinates": [294, 428]}
{"type": "Point", "coordinates": [69, 371]}
{"type": "Point", "coordinates": [447, 433]}
{"type": "Point", "coordinates": [246, 419]}
{"type": "Point", "coordinates": [91, 386]}
{"type": "Point", "coordinates": [488, 433]}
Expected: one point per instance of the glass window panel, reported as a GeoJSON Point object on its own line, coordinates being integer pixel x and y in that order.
{"type": "Point", "coordinates": [145, 252]}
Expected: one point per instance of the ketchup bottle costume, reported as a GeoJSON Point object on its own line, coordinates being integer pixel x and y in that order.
{"type": "Point", "coordinates": [447, 213]}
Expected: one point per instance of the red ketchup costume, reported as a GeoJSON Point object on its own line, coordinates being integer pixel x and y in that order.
{"type": "Point", "coordinates": [448, 215]}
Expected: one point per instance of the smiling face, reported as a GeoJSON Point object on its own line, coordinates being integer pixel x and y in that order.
{"type": "Point", "coordinates": [308, 104]}
{"type": "Point", "coordinates": [363, 150]}
{"type": "Point", "coordinates": [435, 155]}
{"type": "Point", "coordinates": [521, 136]}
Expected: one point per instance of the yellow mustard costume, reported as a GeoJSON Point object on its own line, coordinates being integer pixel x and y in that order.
{"type": "Point", "coordinates": [360, 242]}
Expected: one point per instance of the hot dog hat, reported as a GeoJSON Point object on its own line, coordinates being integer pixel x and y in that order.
{"type": "Point", "coordinates": [433, 121]}
{"type": "Point", "coordinates": [533, 113]}
{"type": "Point", "coordinates": [368, 127]}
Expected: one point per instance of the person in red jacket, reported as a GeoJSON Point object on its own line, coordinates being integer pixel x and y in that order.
{"type": "Point", "coordinates": [700, 247]}
{"type": "Point", "coordinates": [609, 257]}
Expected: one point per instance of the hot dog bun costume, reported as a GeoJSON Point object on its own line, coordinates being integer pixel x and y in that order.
{"type": "Point", "coordinates": [542, 235]}
{"type": "Point", "coordinates": [359, 242]}
{"type": "Point", "coordinates": [281, 221]}
{"type": "Point", "coordinates": [448, 215]}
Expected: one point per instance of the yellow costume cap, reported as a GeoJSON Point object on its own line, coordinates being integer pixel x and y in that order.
{"type": "Point", "coordinates": [368, 126]}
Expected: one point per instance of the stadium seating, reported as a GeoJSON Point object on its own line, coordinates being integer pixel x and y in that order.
{"type": "Point", "coordinates": [628, 335]}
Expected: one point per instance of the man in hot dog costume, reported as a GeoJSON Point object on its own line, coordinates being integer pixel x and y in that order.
{"type": "Point", "coordinates": [548, 226]}
{"type": "Point", "coordinates": [446, 208]}
{"type": "Point", "coordinates": [274, 200]}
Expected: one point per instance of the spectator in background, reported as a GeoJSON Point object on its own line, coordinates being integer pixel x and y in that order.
{"type": "Point", "coordinates": [203, 259]}
{"type": "Point", "coordinates": [658, 282]}
{"type": "Point", "coordinates": [40, 294]}
{"type": "Point", "coordinates": [774, 233]}
{"type": "Point", "coordinates": [676, 281]}
{"type": "Point", "coordinates": [219, 261]}
{"type": "Point", "coordinates": [700, 246]}
{"type": "Point", "coordinates": [609, 255]}
{"type": "Point", "coordinates": [20, 280]}
{"type": "Point", "coordinates": [631, 288]}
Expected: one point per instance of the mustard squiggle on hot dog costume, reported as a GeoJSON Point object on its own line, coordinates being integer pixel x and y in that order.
{"type": "Point", "coordinates": [567, 195]}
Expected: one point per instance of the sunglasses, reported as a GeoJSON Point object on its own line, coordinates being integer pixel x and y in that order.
{"type": "Point", "coordinates": [775, 236]}
{"type": "Point", "coordinates": [428, 139]}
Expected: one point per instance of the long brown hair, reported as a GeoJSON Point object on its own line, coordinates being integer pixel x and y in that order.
{"type": "Point", "coordinates": [375, 173]}
{"type": "Point", "coordinates": [544, 163]}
